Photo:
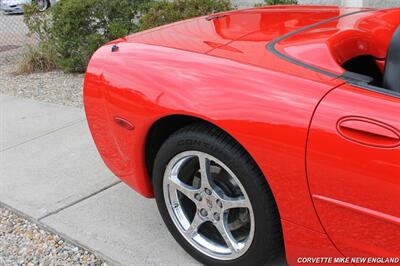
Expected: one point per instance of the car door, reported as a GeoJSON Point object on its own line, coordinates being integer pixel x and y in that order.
{"type": "Point", "coordinates": [353, 165]}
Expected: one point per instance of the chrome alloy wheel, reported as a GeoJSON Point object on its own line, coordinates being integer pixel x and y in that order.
{"type": "Point", "coordinates": [42, 5]}
{"type": "Point", "coordinates": [208, 205]}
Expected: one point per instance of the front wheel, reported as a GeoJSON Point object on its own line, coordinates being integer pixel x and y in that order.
{"type": "Point", "coordinates": [43, 5]}
{"type": "Point", "coordinates": [215, 201]}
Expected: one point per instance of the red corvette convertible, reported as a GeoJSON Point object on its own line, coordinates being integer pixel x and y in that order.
{"type": "Point", "coordinates": [263, 134]}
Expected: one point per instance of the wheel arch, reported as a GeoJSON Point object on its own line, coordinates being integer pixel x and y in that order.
{"type": "Point", "coordinates": [165, 126]}
{"type": "Point", "coordinates": [160, 130]}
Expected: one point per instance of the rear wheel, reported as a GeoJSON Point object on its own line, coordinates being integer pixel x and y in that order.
{"type": "Point", "coordinates": [214, 199]}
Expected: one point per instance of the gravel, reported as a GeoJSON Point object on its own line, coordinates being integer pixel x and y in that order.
{"type": "Point", "coordinates": [53, 87]}
{"type": "Point", "coordinates": [25, 243]}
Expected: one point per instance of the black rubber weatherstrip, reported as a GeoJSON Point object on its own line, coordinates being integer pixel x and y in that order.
{"type": "Point", "coordinates": [271, 46]}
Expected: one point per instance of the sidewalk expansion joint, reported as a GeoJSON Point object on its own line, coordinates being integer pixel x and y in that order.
{"type": "Point", "coordinates": [79, 200]}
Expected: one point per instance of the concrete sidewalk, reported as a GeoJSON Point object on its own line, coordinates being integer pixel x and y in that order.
{"type": "Point", "coordinates": [51, 172]}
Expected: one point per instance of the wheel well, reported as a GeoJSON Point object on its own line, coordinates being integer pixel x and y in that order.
{"type": "Point", "coordinates": [160, 131]}
{"type": "Point", "coordinates": [165, 127]}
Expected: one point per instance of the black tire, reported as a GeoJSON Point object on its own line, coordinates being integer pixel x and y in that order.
{"type": "Point", "coordinates": [267, 247]}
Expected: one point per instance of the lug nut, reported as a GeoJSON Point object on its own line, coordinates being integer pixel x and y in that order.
{"type": "Point", "coordinates": [219, 203]}
{"type": "Point", "coordinates": [216, 216]}
{"type": "Point", "coordinates": [198, 197]}
{"type": "Point", "coordinates": [203, 212]}
{"type": "Point", "coordinates": [208, 191]}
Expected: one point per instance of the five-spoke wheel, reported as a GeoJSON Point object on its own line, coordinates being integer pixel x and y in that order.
{"type": "Point", "coordinates": [204, 199]}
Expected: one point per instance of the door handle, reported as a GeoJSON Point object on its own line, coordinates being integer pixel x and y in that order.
{"type": "Point", "coordinates": [368, 132]}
